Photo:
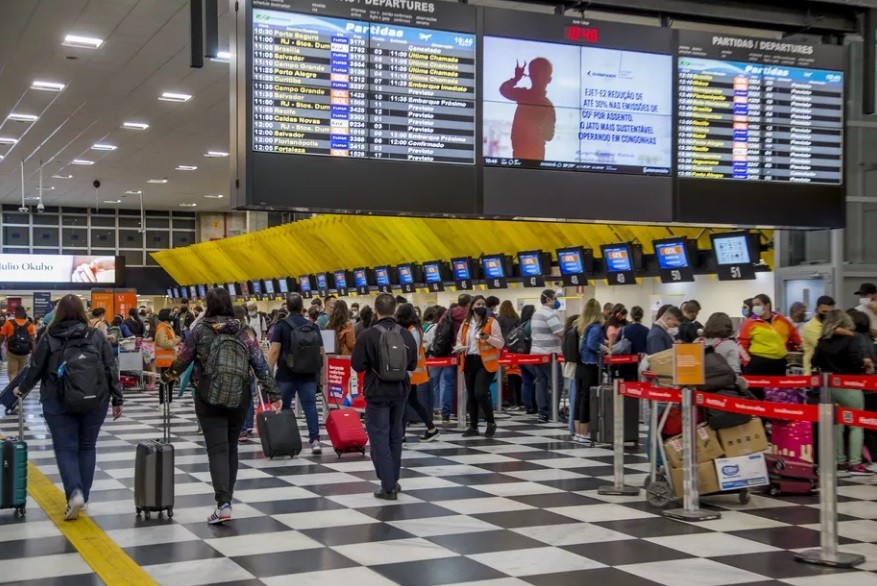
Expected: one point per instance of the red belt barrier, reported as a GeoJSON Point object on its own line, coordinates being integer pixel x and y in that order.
{"type": "Point", "coordinates": [783, 382]}
{"type": "Point", "coordinates": [524, 359]}
{"type": "Point", "coordinates": [857, 418]}
{"type": "Point", "coordinates": [853, 382]}
{"type": "Point", "coordinates": [650, 392]}
{"type": "Point", "coordinates": [624, 359]}
{"type": "Point", "coordinates": [445, 361]}
{"type": "Point", "coordinates": [786, 411]}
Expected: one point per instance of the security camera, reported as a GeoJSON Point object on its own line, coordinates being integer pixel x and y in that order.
{"type": "Point", "coordinates": [96, 183]}
{"type": "Point", "coordinates": [41, 207]}
{"type": "Point", "coordinates": [23, 209]}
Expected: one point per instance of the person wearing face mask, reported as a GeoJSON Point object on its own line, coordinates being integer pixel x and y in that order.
{"type": "Point", "coordinates": [867, 294]}
{"type": "Point", "coordinates": [480, 341]}
{"type": "Point", "coordinates": [813, 329]}
{"type": "Point", "coordinates": [664, 330]}
{"type": "Point", "coordinates": [767, 338]}
{"type": "Point", "coordinates": [256, 321]}
{"type": "Point", "coordinates": [546, 331]}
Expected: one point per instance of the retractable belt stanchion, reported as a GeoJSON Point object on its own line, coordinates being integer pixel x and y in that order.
{"type": "Point", "coordinates": [461, 401]}
{"type": "Point", "coordinates": [555, 389]}
{"type": "Point", "coordinates": [827, 554]}
{"type": "Point", "coordinates": [690, 510]}
{"type": "Point", "coordinates": [618, 487]}
{"type": "Point", "coordinates": [497, 408]}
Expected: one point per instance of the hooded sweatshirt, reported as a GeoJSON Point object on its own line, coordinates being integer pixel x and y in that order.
{"type": "Point", "coordinates": [839, 354]}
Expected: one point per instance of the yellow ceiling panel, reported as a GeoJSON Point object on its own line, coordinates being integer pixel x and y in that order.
{"type": "Point", "coordinates": [330, 242]}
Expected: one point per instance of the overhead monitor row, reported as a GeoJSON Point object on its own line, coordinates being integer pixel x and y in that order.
{"type": "Point", "coordinates": [734, 256]}
{"type": "Point", "coordinates": [439, 107]}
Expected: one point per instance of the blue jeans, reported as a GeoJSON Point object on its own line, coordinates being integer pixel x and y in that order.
{"type": "Point", "coordinates": [383, 422]}
{"type": "Point", "coordinates": [543, 389]}
{"type": "Point", "coordinates": [435, 387]}
{"type": "Point", "coordinates": [74, 437]}
{"type": "Point", "coordinates": [571, 387]}
{"type": "Point", "coordinates": [306, 389]}
{"type": "Point", "coordinates": [447, 388]}
{"type": "Point", "coordinates": [527, 395]}
{"type": "Point", "coordinates": [251, 412]}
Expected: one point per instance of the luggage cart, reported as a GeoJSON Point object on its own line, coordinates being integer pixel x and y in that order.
{"type": "Point", "coordinates": [130, 360]}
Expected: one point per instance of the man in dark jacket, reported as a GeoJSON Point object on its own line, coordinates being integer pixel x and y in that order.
{"type": "Point", "coordinates": [385, 402]}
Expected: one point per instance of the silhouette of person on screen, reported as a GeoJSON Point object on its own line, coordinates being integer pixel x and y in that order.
{"type": "Point", "coordinates": [534, 121]}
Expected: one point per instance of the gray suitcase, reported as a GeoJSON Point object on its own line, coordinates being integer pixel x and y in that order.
{"type": "Point", "coordinates": [602, 428]}
{"type": "Point", "coordinates": [154, 472]}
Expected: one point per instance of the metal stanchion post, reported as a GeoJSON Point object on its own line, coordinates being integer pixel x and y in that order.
{"type": "Point", "coordinates": [461, 401]}
{"type": "Point", "coordinates": [827, 554]}
{"type": "Point", "coordinates": [555, 389]}
{"type": "Point", "coordinates": [690, 510]}
{"type": "Point", "coordinates": [653, 444]}
{"type": "Point", "coordinates": [618, 487]}
{"type": "Point", "coordinates": [498, 406]}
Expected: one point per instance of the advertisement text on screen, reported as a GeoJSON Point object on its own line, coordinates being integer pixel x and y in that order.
{"type": "Point", "coordinates": [581, 34]}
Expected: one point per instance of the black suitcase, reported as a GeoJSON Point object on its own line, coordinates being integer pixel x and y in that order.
{"type": "Point", "coordinates": [278, 433]}
{"type": "Point", "coordinates": [8, 399]}
{"type": "Point", "coordinates": [603, 416]}
{"type": "Point", "coordinates": [154, 471]}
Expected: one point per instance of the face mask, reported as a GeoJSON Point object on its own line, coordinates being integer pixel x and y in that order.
{"type": "Point", "coordinates": [556, 304]}
{"type": "Point", "coordinates": [673, 332]}
{"type": "Point", "coordinates": [864, 300]}
{"type": "Point", "coordinates": [480, 311]}
{"type": "Point", "coordinates": [758, 310]}
{"type": "Point", "coordinates": [745, 311]}
{"type": "Point", "coordinates": [252, 314]}
{"type": "Point", "coordinates": [820, 317]}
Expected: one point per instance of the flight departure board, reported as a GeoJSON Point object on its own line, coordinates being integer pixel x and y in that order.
{"type": "Point", "coordinates": [758, 110]}
{"type": "Point", "coordinates": [362, 85]}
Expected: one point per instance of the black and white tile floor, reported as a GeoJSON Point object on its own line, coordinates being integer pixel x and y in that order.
{"type": "Point", "coordinates": [521, 508]}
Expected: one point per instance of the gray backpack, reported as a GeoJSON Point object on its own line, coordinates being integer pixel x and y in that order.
{"type": "Point", "coordinates": [392, 355]}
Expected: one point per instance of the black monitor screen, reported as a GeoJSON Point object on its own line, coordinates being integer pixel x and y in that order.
{"type": "Point", "coordinates": [283, 285]}
{"type": "Point", "coordinates": [671, 254]}
{"type": "Point", "coordinates": [493, 267]}
{"type": "Point", "coordinates": [570, 261]}
{"type": "Point", "coordinates": [406, 276]}
{"type": "Point", "coordinates": [304, 283]}
{"type": "Point", "coordinates": [461, 269]}
{"type": "Point", "coordinates": [360, 278]}
{"type": "Point", "coordinates": [382, 276]}
{"type": "Point", "coordinates": [530, 263]}
{"type": "Point", "coordinates": [732, 249]}
{"type": "Point", "coordinates": [616, 258]}
{"type": "Point", "coordinates": [432, 272]}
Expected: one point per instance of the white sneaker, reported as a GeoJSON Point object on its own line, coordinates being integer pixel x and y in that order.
{"type": "Point", "coordinates": [316, 448]}
{"type": "Point", "coordinates": [74, 506]}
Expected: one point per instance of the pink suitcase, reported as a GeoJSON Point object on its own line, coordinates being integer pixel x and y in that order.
{"type": "Point", "coordinates": [790, 475]}
{"type": "Point", "coordinates": [345, 431]}
{"type": "Point", "coordinates": [792, 439]}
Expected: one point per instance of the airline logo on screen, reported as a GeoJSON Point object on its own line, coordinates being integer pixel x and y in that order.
{"type": "Point", "coordinates": [581, 34]}
{"type": "Point", "coordinates": [617, 255]}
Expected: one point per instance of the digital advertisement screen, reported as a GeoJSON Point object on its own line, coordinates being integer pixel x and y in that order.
{"type": "Point", "coordinates": [382, 276]}
{"type": "Point", "coordinates": [340, 280]}
{"type": "Point", "coordinates": [283, 284]}
{"type": "Point", "coordinates": [360, 278]}
{"type": "Point", "coordinates": [617, 258]}
{"type": "Point", "coordinates": [671, 255]}
{"type": "Point", "coordinates": [322, 282]}
{"type": "Point", "coordinates": [432, 272]}
{"type": "Point", "coordinates": [256, 288]}
{"type": "Point", "coordinates": [461, 269]}
{"type": "Point", "coordinates": [570, 261]}
{"type": "Point", "coordinates": [304, 283]}
{"type": "Point", "coordinates": [244, 288]}
{"type": "Point", "coordinates": [170, 293]}
{"type": "Point", "coordinates": [232, 289]}
{"type": "Point", "coordinates": [732, 250]}
{"type": "Point", "coordinates": [55, 268]}
{"type": "Point", "coordinates": [202, 291]}
{"type": "Point", "coordinates": [176, 293]}
{"type": "Point", "coordinates": [405, 275]}
{"type": "Point", "coordinates": [530, 263]}
{"type": "Point", "coordinates": [493, 267]}
{"type": "Point", "coordinates": [269, 286]}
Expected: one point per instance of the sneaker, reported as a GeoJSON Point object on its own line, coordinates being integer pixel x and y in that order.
{"type": "Point", "coordinates": [220, 515]}
{"type": "Point", "coordinates": [471, 432]}
{"type": "Point", "coordinates": [398, 488]}
{"type": "Point", "coordinates": [843, 471]}
{"type": "Point", "coordinates": [859, 470]}
{"type": "Point", "coordinates": [491, 430]}
{"type": "Point", "coordinates": [316, 448]}
{"type": "Point", "coordinates": [541, 419]}
{"type": "Point", "coordinates": [385, 496]}
{"type": "Point", "coordinates": [428, 436]}
{"type": "Point", "coordinates": [446, 420]}
{"type": "Point", "coordinates": [245, 436]}
{"type": "Point", "coordinates": [532, 412]}
{"type": "Point", "coordinates": [74, 506]}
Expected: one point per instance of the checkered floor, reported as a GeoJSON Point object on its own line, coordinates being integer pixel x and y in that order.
{"type": "Point", "coordinates": [521, 508]}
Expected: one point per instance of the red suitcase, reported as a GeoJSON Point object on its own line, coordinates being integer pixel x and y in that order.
{"type": "Point", "coordinates": [791, 475]}
{"type": "Point", "coordinates": [346, 432]}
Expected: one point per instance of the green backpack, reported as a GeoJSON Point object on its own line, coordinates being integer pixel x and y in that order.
{"type": "Point", "coordinates": [225, 371]}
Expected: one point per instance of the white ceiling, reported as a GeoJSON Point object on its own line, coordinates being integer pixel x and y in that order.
{"type": "Point", "coordinates": [145, 52]}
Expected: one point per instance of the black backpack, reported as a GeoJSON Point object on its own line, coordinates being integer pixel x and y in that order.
{"type": "Point", "coordinates": [392, 364]}
{"type": "Point", "coordinates": [570, 345]}
{"type": "Point", "coordinates": [82, 382]}
{"type": "Point", "coordinates": [443, 341]}
{"type": "Point", "coordinates": [304, 355]}
{"type": "Point", "coordinates": [20, 342]}
{"type": "Point", "coordinates": [520, 340]}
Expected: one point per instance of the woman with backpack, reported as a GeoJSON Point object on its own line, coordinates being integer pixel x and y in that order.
{"type": "Point", "coordinates": [224, 356]}
{"type": "Point", "coordinates": [407, 318]}
{"type": "Point", "coordinates": [528, 376]}
{"type": "Point", "coordinates": [479, 343]}
{"type": "Point", "coordinates": [593, 346]}
{"type": "Point", "coordinates": [85, 358]}
{"type": "Point", "coordinates": [508, 320]}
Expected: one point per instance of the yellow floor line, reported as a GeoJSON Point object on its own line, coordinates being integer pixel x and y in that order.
{"type": "Point", "coordinates": [105, 557]}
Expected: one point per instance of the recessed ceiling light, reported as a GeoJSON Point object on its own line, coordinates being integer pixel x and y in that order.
{"type": "Point", "coordinates": [186, 167]}
{"type": "Point", "coordinates": [135, 125]}
{"type": "Point", "coordinates": [48, 86]}
{"type": "Point", "coordinates": [103, 147]}
{"type": "Point", "coordinates": [8, 140]}
{"type": "Point", "coordinates": [48, 188]}
{"type": "Point", "coordinates": [31, 198]}
{"type": "Point", "coordinates": [214, 196]}
{"type": "Point", "coordinates": [112, 201]}
{"type": "Point", "coordinates": [222, 56]}
{"type": "Point", "coordinates": [133, 192]}
{"type": "Point", "coordinates": [175, 97]}
{"type": "Point", "coordinates": [156, 181]}
{"type": "Point", "coordinates": [62, 176]}
{"type": "Point", "coordinates": [82, 42]}
{"type": "Point", "coordinates": [216, 154]}
{"type": "Point", "coordinates": [188, 205]}
{"type": "Point", "coordinates": [81, 162]}
{"type": "Point", "coordinates": [19, 117]}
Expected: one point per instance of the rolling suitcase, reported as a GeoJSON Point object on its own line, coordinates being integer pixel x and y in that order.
{"type": "Point", "coordinates": [345, 431]}
{"type": "Point", "coordinates": [278, 432]}
{"type": "Point", "coordinates": [154, 471]}
{"type": "Point", "coordinates": [13, 477]}
{"type": "Point", "coordinates": [790, 475]}
{"type": "Point", "coordinates": [603, 416]}
{"type": "Point", "coordinates": [7, 397]}
{"type": "Point", "coordinates": [792, 439]}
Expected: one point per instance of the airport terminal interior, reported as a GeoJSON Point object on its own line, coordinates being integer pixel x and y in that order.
{"type": "Point", "coordinates": [595, 281]}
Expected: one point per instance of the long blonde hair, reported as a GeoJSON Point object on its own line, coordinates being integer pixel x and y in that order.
{"type": "Point", "coordinates": [592, 313]}
{"type": "Point", "coordinates": [834, 319]}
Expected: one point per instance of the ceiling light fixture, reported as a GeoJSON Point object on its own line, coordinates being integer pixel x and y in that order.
{"type": "Point", "coordinates": [82, 42]}
{"type": "Point", "coordinates": [222, 57]}
{"type": "Point", "coordinates": [156, 181]}
{"type": "Point", "coordinates": [103, 147]}
{"type": "Point", "coordinates": [133, 192]}
{"type": "Point", "coordinates": [186, 167]}
{"type": "Point", "coordinates": [19, 117]}
{"type": "Point", "coordinates": [81, 162]}
{"type": "Point", "coordinates": [113, 201]}
{"type": "Point", "coordinates": [8, 140]}
{"type": "Point", "coordinates": [174, 97]}
{"type": "Point", "coordinates": [216, 154]}
{"type": "Point", "coordinates": [188, 205]}
{"type": "Point", "coordinates": [47, 86]}
{"type": "Point", "coordinates": [31, 198]}
{"type": "Point", "coordinates": [62, 176]}
{"type": "Point", "coordinates": [135, 125]}
{"type": "Point", "coordinates": [214, 196]}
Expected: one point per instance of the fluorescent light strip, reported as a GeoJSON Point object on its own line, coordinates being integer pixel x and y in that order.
{"type": "Point", "coordinates": [133, 192]}
{"type": "Point", "coordinates": [8, 140]}
{"type": "Point", "coordinates": [214, 196]}
{"type": "Point", "coordinates": [186, 168]}
{"type": "Point", "coordinates": [174, 97]}
{"type": "Point", "coordinates": [62, 176]}
{"type": "Point", "coordinates": [103, 147]}
{"type": "Point", "coordinates": [188, 205]}
{"type": "Point", "coordinates": [112, 201]}
{"type": "Point", "coordinates": [216, 154]}
{"type": "Point", "coordinates": [156, 181]}
{"type": "Point", "coordinates": [135, 125]}
{"type": "Point", "coordinates": [222, 57]}
{"type": "Point", "coordinates": [82, 42]}
{"type": "Point", "coordinates": [19, 117]}
{"type": "Point", "coordinates": [83, 162]}
{"type": "Point", "coordinates": [47, 86]}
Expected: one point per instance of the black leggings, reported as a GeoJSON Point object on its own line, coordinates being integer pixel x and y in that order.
{"type": "Point", "coordinates": [515, 384]}
{"type": "Point", "coordinates": [422, 412]}
{"type": "Point", "coordinates": [587, 376]}
{"type": "Point", "coordinates": [478, 381]}
{"type": "Point", "coordinates": [222, 427]}
{"type": "Point", "coordinates": [760, 366]}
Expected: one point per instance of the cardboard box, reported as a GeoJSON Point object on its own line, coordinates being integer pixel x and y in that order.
{"type": "Point", "coordinates": [706, 443]}
{"type": "Point", "coordinates": [745, 439]}
{"type": "Point", "coordinates": [707, 481]}
{"type": "Point", "coordinates": [741, 472]}
{"type": "Point", "coordinates": [661, 364]}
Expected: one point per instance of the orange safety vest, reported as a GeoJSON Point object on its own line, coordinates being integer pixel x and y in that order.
{"type": "Point", "coordinates": [419, 375]}
{"type": "Point", "coordinates": [164, 357]}
{"type": "Point", "coordinates": [489, 353]}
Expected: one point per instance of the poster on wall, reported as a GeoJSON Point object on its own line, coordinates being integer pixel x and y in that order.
{"type": "Point", "coordinates": [42, 304]}
{"type": "Point", "coordinates": [54, 268]}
